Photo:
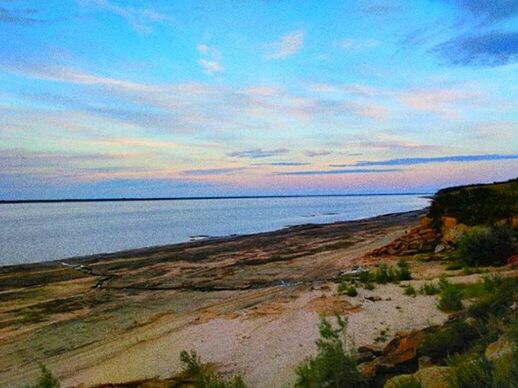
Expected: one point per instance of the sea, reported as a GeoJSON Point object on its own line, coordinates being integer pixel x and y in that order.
{"type": "Point", "coordinates": [37, 232]}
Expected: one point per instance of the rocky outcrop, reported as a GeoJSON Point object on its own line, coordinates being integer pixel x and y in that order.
{"type": "Point", "coordinates": [399, 356]}
{"type": "Point", "coordinates": [422, 238]}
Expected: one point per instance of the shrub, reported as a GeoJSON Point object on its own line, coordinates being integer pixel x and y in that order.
{"type": "Point", "coordinates": [450, 298]}
{"type": "Point", "coordinates": [335, 363]}
{"type": "Point", "coordinates": [454, 266]}
{"type": "Point", "coordinates": [403, 271]}
{"type": "Point", "coordinates": [385, 274]}
{"type": "Point", "coordinates": [452, 339]}
{"type": "Point", "coordinates": [470, 373]}
{"type": "Point", "coordinates": [369, 285]}
{"type": "Point", "coordinates": [410, 290]}
{"type": "Point", "coordinates": [429, 289]}
{"type": "Point", "coordinates": [495, 301]}
{"type": "Point", "coordinates": [46, 379]}
{"type": "Point", "coordinates": [347, 289]}
{"type": "Point", "coordinates": [486, 246]}
{"type": "Point", "coordinates": [203, 378]}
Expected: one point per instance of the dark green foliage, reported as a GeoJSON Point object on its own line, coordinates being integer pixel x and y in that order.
{"type": "Point", "coordinates": [476, 205]}
{"type": "Point", "coordinates": [486, 246]}
{"type": "Point", "coordinates": [335, 364]}
{"type": "Point", "coordinates": [450, 298]}
{"type": "Point", "coordinates": [453, 266]}
{"type": "Point", "coordinates": [496, 301]}
{"type": "Point", "coordinates": [450, 340]}
{"type": "Point", "coordinates": [470, 373]}
{"type": "Point", "coordinates": [403, 271]}
{"type": "Point", "coordinates": [386, 274]}
{"type": "Point", "coordinates": [429, 289]}
{"type": "Point", "coordinates": [410, 290]}
{"type": "Point", "coordinates": [204, 378]}
{"type": "Point", "coordinates": [347, 289]}
{"type": "Point", "coordinates": [46, 379]}
{"type": "Point", "coordinates": [382, 336]}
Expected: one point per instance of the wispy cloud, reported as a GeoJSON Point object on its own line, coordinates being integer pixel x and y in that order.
{"type": "Point", "coordinates": [213, 171]}
{"type": "Point", "coordinates": [356, 44]}
{"type": "Point", "coordinates": [339, 172]}
{"type": "Point", "coordinates": [313, 154]}
{"type": "Point", "coordinates": [427, 160]}
{"type": "Point", "coordinates": [211, 67]}
{"type": "Point", "coordinates": [286, 46]}
{"type": "Point", "coordinates": [208, 51]}
{"type": "Point", "coordinates": [139, 19]}
{"type": "Point", "coordinates": [19, 17]}
{"type": "Point", "coordinates": [258, 153]}
{"type": "Point", "coordinates": [489, 11]}
{"type": "Point", "coordinates": [487, 49]}
{"type": "Point", "coordinates": [210, 61]}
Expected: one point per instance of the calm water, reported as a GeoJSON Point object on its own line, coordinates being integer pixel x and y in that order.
{"type": "Point", "coordinates": [41, 232]}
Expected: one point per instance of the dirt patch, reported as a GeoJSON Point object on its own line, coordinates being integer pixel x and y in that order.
{"type": "Point", "coordinates": [330, 305]}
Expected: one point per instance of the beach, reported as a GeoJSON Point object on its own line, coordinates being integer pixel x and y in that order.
{"type": "Point", "coordinates": [249, 304]}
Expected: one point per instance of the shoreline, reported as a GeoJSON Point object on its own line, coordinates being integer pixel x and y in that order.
{"type": "Point", "coordinates": [122, 316]}
{"type": "Point", "coordinates": [202, 241]}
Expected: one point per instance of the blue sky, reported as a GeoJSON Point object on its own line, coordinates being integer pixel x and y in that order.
{"type": "Point", "coordinates": [103, 98]}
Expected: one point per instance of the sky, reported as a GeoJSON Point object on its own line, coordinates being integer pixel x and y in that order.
{"type": "Point", "coordinates": [111, 98]}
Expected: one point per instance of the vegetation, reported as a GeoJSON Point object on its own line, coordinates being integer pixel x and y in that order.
{"type": "Point", "coordinates": [382, 336]}
{"type": "Point", "coordinates": [410, 290]}
{"type": "Point", "coordinates": [204, 378]}
{"type": "Point", "coordinates": [335, 363]}
{"type": "Point", "coordinates": [429, 288]}
{"type": "Point", "coordinates": [46, 379]}
{"type": "Point", "coordinates": [476, 205]}
{"type": "Point", "coordinates": [486, 245]}
{"type": "Point", "coordinates": [450, 298]}
{"type": "Point", "coordinates": [386, 274]}
{"type": "Point", "coordinates": [453, 339]}
{"type": "Point", "coordinates": [347, 289]}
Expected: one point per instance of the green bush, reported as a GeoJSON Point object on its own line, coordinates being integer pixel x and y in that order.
{"type": "Point", "coordinates": [410, 290]}
{"type": "Point", "coordinates": [486, 246]}
{"type": "Point", "coordinates": [347, 289]}
{"type": "Point", "coordinates": [386, 274]}
{"type": "Point", "coordinates": [46, 379]}
{"type": "Point", "coordinates": [467, 372]}
{"type": "Point", "coordinates": [476, 205]}
{"type": "Point", "coordinates": [452, 339]}
{"type": "Point", "coordinates": [335, 363]}
{"type": "Point", "coordinates": [203, 378]}
{"type": "Point", "coordinates": [450, 298]}
{"type": "Point", "coordinates": [429, 289]}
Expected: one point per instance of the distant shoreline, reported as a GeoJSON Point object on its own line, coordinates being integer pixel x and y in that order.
{"type": "Point", "coordinates": [73, 200]}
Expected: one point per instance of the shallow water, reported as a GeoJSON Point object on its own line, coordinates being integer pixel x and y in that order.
{"type": "Point", "coordinates": [48, 231]}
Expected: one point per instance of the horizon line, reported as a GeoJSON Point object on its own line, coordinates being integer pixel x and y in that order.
{"type": "Point", "coordinates": [137, 199]}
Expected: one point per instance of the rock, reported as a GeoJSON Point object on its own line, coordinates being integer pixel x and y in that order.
{"type": "Point", "coordinates": [424, 362]}
{"type": "Point", "coordinates": [498, 349]}
{"type": "Point", "coordinates": [431, 377]}
{"type": "Point", "coordinates": [374, 298]}
{"type": "Point", "coordinates": [403, 347]}
{"type": "Point", "coordinates": [439, 248]}
{"type": "Point", "coordinates": [364, 357]}
{"type": "Point", "coordinates": [513, 260]}
{"type": "Point", "coordinates": [374, 349]}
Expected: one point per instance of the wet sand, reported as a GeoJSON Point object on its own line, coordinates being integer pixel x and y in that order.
{"type": "Point", "coordinates": [248, 304]}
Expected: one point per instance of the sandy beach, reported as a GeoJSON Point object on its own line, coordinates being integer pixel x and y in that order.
{"type": "Point", "coordinates": [247, 304]}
